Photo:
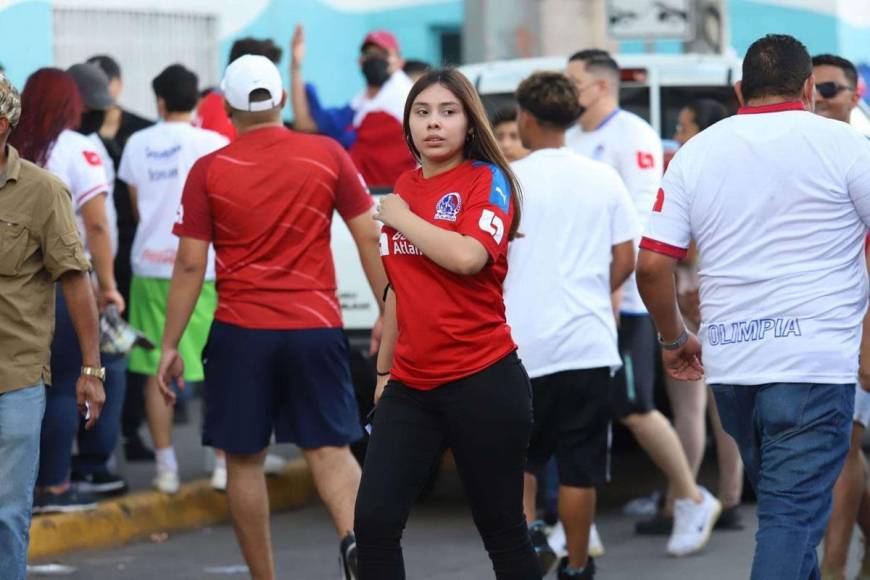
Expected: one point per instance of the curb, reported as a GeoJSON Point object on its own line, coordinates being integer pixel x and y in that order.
{"type": "Point", "coordinates": [118, 521]}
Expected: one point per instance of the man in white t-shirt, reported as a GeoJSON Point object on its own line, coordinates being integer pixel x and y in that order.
{"type": "Point", "coordinates": [628, 144]}
{"type": "Point", "coordinates": [155, 165]}
{"type": "Point", "coordinates": [778, 201]}
{"type": "Point", "coordinates": [836, 97]}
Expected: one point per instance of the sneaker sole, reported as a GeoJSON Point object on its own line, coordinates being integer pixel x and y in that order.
{"type": "Point", "coordinates": [708, 532]}
{"type": "Point", "coordinates": [66, 509]}
{"type": "Point", "coordinates": [100, 487]}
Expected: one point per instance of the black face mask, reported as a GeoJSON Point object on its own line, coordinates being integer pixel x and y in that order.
{"type": "Point", "coordinates": [374, 69]}
{"type": "Point", "coordinates": [91, 122]}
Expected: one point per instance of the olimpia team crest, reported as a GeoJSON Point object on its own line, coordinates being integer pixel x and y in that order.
{"type": "Point", "coordinates": [448, 207]}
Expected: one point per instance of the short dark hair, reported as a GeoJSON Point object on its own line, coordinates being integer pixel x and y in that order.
{"type": "Point", "coordinates": [109, 65]}
{"type": "Point", "coordinates": [551, 98]}
{"type": "Point", "coordinates": [707, 112]}
{"type": "Point", "coordinates": [413, 66]}
{"type": "Point", "coordinates": [177, 86]}
{"type": "Point", "coordinates": [256, 46]}
{"type": "Point", "coordinates": [776, 65]}
{"type": "Point", "coordinates": [506, 114]}
{"type": "Point", "coordinates": [597, 60]}
{"type": "Point", "coordinates": [841, 63]}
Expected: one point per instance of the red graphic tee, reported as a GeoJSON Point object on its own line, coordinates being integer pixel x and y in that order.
{"type": "Point", "coordinates": [450, 325]}
{"type": "Point", "coordinates": [266, 202]}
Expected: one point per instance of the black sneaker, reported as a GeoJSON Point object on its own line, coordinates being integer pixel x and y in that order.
{"type": "Point", "coordinates": [347, 557]}
{"type": "Point", "coordinates": [135, 450]}
{"type": "Point", "coordinates": [101, 482]}
{"type": "Point", "coordinates": [587, 574]}
{"type": "Point", "coordinates": [658, 525]}
{"type": "Point", "coordinates": [69, 501]}
{"type": "Point", "coordinates": [729, 520]}
{"type": "Point", "coordinates": [546, 556]}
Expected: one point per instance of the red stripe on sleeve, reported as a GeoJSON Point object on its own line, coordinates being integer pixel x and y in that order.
{"type": "Point", "coordinates": [663, 248]}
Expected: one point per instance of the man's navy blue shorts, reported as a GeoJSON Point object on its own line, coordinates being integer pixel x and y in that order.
{"type": "Point", "coordinates": [294, 382]}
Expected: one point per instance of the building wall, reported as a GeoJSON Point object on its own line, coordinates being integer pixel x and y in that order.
{"type": "Point", "coordinates": [334, 31]}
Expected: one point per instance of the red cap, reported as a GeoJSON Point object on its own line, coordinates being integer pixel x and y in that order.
{"type": "Point", "coordinates": [383, 39]}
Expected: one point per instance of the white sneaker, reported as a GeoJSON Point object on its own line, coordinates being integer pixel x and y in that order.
{"type": "Point", "coordinates": [693, 524]}
{"type": "Point", "coordinates": [219, 478]}
{"type": "Point", "coordinates": [596, 548]}
{"type": "Point", "coordinates": [643, 506]}
{"type": "Point", "coordinates": [273, 464]}
{"type": "Point", "coordinates": [167, 481]}
{"type": "Point", "coordinates": [557, 541]}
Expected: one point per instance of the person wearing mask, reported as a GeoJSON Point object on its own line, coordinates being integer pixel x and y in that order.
{"type": "Point", "coordinates": [370, 126]}
{"type": "Point", "coordinates": [211, 111]}
{"type": "Point", "coordinates": [836, 97]}
{"type": "Point", "coordinates": [51, 107]}
{"type": "Point", "coordinates": [90, 467]}
{"type": "Point", "coordinates": [504, 127]}
{"type": "Point", "coordinates": [627, 143]}
{"type": "Point", "coordinates": [783, 291]}
{"type": "Point", "coordinates": [39, 246]}
{"type": "Point", "coordinates": [277, 360]}
{"type": "Point", "coordinates": [155, 165]}
{"type": "Point", "coordinates": [557, 295]}
{"type": "Point", "coordinates": [118, 125]}
{"type": "Point", "coordinates": [456, 384]}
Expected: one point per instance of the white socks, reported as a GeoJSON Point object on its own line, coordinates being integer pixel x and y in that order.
{"type": "Point", "coordinates": [166, 459]}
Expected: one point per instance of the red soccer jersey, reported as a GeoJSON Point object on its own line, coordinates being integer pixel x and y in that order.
{"type": "Point", "coordinates": [211, 115]}
{"type": "Point", "coordinates": [450, 326]}
{"type": "Point", "coordinates": [266, 202]}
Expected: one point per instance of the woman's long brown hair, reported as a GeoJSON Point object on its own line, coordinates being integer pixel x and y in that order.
{"type": "Point", "coordinates": [481, 145]}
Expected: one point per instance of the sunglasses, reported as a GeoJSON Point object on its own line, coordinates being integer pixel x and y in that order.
{"type": "Point", "coordinates": [831, 89]}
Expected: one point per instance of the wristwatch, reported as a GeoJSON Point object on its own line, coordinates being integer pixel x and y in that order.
{"type": "Point", "coordinates": [681, 340]}
{"type": "Point", "coordinates": [100, 372]}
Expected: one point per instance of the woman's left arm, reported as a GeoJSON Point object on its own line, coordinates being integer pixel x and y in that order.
{"type": "Point", "coordinates": [452, 251]}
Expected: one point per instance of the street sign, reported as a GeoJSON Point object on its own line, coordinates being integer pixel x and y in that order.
{"type": "Point", "coordinates": [650, 19]}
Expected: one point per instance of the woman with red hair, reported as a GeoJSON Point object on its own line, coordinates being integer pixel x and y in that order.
{"type": "Point", "coordinates": [51, 108]}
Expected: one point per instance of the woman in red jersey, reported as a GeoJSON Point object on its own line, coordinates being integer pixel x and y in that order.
{"type": "Point", "coordinates": [449, 376]}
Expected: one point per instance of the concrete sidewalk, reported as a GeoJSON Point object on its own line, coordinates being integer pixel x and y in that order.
{"type": "Point", "coordinates": [144, 511]}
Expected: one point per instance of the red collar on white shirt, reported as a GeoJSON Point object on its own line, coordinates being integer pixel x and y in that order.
{"type": "Point", "coordinates": [775, 108]}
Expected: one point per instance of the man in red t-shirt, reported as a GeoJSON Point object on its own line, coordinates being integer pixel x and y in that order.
{"type": "Point", "coordinates": [277, 360]}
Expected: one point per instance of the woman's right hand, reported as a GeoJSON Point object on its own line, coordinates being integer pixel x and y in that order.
{"type": "Point", "coordinates": [379, 389]}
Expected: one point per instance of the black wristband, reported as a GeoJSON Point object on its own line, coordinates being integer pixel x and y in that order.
{"type": "Point", "coordinates": [387, 289]}
{"type": "Point", "coordinates": [380, 374]}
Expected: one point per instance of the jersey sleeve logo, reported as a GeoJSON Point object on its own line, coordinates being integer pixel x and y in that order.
{"type": "Point", "coordinates": [448, 207]}
{"type": "Point", "coordinates": [491, 224]}
{"type": "Point", "coordinates": [92, 158]}
{"type": "Point", "coordinates": [660, 201]}
{"type": "Point", "coordinates": [645, 160]}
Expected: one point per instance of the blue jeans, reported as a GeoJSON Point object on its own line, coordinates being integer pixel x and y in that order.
{"type": "Point", "coordinates": [20, 418]}
{"type": "Point", "coordinates": [97, 444]}
{"type": "Point", "coordinates": [793, 438]}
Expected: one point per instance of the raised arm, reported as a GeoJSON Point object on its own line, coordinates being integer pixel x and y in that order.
{"type": "Point", "coordinates": [302, 119]}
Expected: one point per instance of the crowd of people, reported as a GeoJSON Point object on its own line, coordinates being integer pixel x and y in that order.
{"type": "Point", "coordinates": [529, 267]}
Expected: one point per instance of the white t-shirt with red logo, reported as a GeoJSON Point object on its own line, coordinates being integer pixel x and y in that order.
{"type": "Point", "coordinates": [156, 162]}
{"type": "Point", "coordinates": [557, 290]}
{"type": "Point", "coordinates": [76, 160]}
{"type": "Point", "coordinates": [631, 146]}
{"type": "Point", "coordinates": [778, 202]}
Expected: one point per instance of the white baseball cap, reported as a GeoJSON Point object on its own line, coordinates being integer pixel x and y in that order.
{"type": "Point", "coordinates": [247, 74]}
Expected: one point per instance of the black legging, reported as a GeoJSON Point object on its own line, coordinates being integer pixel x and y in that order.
{"type": "Point", "coordinates": [486, 420]}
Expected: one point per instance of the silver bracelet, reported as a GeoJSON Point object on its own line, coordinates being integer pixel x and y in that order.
{"type": "Point", "coordinates": [675, 345]}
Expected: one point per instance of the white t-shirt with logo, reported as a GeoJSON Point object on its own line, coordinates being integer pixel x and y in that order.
{"type": "Point", "coordinates": [557, 291]}
{"type": "Point", "coordinates": [778, 202]}
{"type": "Point", "coordinates": [76, 160]}
{"type": "Point", "coordinates": [631, 146]}
{"type": "Point", "coordinates": [156, 162]}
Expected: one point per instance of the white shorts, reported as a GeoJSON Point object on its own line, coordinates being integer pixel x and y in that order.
{"type": "Point", "coordinates": [862, 406]}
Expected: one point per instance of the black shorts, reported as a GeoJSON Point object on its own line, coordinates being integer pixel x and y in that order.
{"type": "Point", "coordinates": [572, 421]}
{"type": "Point", "coordinates": [295, 383]}
{"type": "Point", "coordinates": [633, 388]}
